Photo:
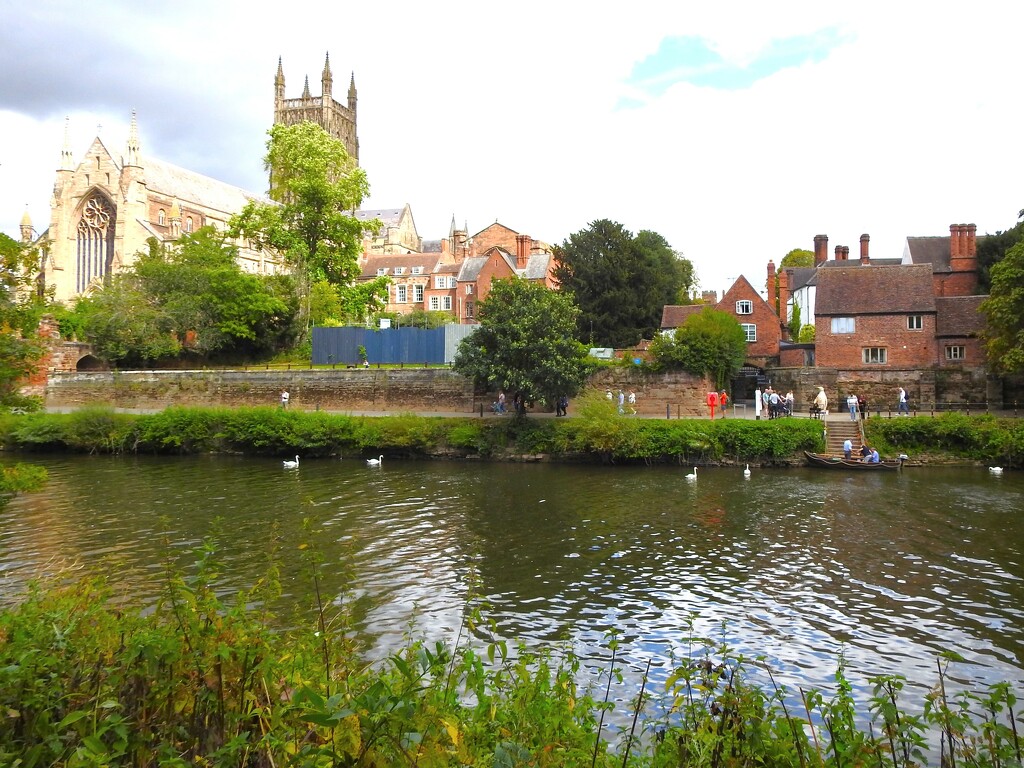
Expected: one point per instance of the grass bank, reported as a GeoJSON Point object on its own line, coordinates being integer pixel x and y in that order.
{"type": "Point", "coordinates": [87, 678]}
{"type": "Point", "coordinates": [597, 433]}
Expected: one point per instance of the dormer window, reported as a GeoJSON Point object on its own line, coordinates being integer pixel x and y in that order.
{"type": "Point", "coordinates": [417, 270]}
{"type": "Point", "coordinates": [399, 270]}
{"type": "Point", "coordinates": [381, 271]}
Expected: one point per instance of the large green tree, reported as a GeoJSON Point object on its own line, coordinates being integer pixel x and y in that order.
{"type": "Point", "coordinates": [992, 248]}
{"type": "Point", "coordinates": [190, 296]}
{"type": "Point", "coordinates": [620, 282]}
{"type": "Point", "coordinates": [316, 187]}
{"type": "Point", "coordinates": [798, 257]}
{"type": "Point", "coordinates": [525, 343]}
{"type": "Point", "coordinates": [710, 343]}
{"type": "Point", "coordinates": [19, 347]}
{"type": "Point", "coordinates": [1004, 312]}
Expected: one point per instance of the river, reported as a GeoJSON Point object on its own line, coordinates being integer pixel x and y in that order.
{"type": "Point", "coordinates": [794, 565]}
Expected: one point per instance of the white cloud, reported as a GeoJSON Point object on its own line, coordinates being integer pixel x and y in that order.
{"type": "Point", "coordinates": [513, 113]}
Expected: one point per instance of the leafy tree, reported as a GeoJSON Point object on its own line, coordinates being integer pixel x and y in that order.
{"type": "Point", "coordinates": [992, 248]}
{"type": "Point", "coordinates": [419, 318]}
{"type": "Point", "coordinates": [806, 334]}
{"type": "Point", "coordinates": [19, 347]}
{"type": "Point", "coordinates": [525, 343]}
{"type": "Point", "coordinates": [798, 257]}
{"type": "Point", "coordinates": [1004, 311]}
{"type": "Point", "coordinates": [191, 296]}
{"type": "Point", "coordinates": [620, 282]}
{"type": "Point", "coordinates": [794, 322]}
{"type": "Point", "coordinates": [316, 186]}
{"type": "Point", "coordinates": [711, 343]}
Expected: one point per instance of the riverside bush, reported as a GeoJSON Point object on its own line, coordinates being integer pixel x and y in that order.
{"type": "Point", "coordinates": [983, 437]}
{"type": "Point", "coordinates": [88, 678]}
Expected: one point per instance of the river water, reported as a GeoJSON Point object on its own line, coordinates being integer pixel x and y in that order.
{"type": "Point", "coordinates": [794, 565]}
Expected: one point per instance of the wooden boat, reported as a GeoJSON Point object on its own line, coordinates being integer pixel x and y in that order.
{"type": "Point", "coordinates": [824, 461]}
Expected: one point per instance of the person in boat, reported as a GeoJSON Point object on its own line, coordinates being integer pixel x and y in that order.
{"type": "Point", "coordinates": [865, 452]}
{"type": "Point", "coordinates": [872, 457]}
{"type": "Point", "coordinates": [847, 448]}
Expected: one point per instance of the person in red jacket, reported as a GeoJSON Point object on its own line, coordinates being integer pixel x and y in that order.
{"type": "Point", "coordinates": [723, 400]}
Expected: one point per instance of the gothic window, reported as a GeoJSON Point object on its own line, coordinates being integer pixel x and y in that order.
{"type": "Point", "coordinates": [188, 224]}
{"type": "Point", "coordinates": [95, 246]}
{"type": "Point", "coordinates": [161, 217]}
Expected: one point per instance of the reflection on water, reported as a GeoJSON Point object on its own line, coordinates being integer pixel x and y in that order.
{"type": "Point", "coordinates": [791, 565]}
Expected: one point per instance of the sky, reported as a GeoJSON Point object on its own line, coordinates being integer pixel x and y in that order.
{"type": "Point", "coordinates": [737, 130]}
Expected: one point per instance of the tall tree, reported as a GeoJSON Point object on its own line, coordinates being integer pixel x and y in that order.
{"type": "Point", "coordinates": [620, 282]}
{"type": "Point", "coordinates": [992, 248]}
{"type": "Point", "coordinates": [19, 347]}
{"type": "Point", "coordinates": [1004, 312]}
{"type": "Point", "coordinates": [525, 343]}
{"type": "Point", "coordinates": [316, 186]}
{"type": "Point", "coordinates": [798, 257]}
{"type": "Point", "coordinates": [711, 343]}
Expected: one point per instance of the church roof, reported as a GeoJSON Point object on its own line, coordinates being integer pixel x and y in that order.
{"type": "Point", "coordinates": [170, 180]}
{"type": "Point", "coordinates": [388, 216]}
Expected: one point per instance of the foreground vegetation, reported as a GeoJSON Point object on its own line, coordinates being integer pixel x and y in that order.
{"type": "Point", "coordinates": [596, 432]}
{"type": "Point", "coordinates": [89, 679]}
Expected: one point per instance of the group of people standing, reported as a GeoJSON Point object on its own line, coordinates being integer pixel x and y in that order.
{"type": "Point", "coordinates": [772, 403]}
{"type": "Point", "coordinates": [621, 399]}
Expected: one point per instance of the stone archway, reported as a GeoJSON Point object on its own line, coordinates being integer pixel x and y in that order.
{"type": "Point", "coordinates": [90, 362]}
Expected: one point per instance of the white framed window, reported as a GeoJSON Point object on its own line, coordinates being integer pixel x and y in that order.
{"type": "Point", "coordinates": [401, 294]}
{"type": "Point", "coordinates": [750, 329]}
{"type": "Point", "coordinates": [875, 355]}
{"type": "Point", "coordinates": [417, 270]}
{"type": "Point", "coordinates": [844, 325]}
{"type": "Point", "coordinates": [446, 303]}
{"type": "Point", "coordinates": [435, 303]}
{"type": "Point", "coordinates": [956, 353]}
{"type": "Point", "coordinates": [470, 307]}
{"type": "Point", "coordinates": [469, 289]}
{"type": "Point", "coordinates": [915, 322]}
{"type": "Point", "coordinates": [381, 271]}
{"type": "Point", "coordinates": [417, 294]}
{"type": "Point", "coordinates": [161, 217]}
{"type": "Point", "coordinates": [744, 307]}
{"type": "Point", "coordinates": [440, 281]}
{"type": "Point", "coordinates": [399, 270]}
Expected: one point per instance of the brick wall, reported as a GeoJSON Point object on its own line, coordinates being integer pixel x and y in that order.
{"type": "Point", "coordinates": [682, 394]}
{"type": "Point", "coordinates": [904, 348]}
{"type": "Point", "coordinates": [429, 390]}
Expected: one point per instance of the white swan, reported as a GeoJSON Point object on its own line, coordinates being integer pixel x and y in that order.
{"type": "Point", "coordinates": [996, 470]}
{"type": "Point", "coordinates": [692, 475]}
{"type": "Point", "coordinates": [289, 464]}
{"type": "Point", "coordinates": [746, 472]}
{"type": "Point", "coordinates": [375, 462]}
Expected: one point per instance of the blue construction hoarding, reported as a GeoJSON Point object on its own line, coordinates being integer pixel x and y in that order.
{"type": "Point", "coordinates": [389, 345]}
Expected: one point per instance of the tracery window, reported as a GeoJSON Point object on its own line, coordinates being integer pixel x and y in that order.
{"type": "Point", "coordinates": [95, 251]}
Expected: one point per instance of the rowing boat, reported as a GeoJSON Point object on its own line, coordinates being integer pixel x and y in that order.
{"type": "Point", "coordinates": [824, 461]}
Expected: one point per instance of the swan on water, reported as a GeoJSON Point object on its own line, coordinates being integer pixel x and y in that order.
{"type": "Point", "coordinates": [375, 462]}
{"type": "Point", "coordinates": [996, 470]}
{"type": "Point", "coordinates": [746, 472]}
{"type": "Point", "coordinates": [692, 475]}
{"type": "Point", "coordinates": [289, 464]}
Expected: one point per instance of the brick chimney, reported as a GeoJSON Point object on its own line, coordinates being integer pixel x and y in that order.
{"type": "Point", "coordinates": [522, 250]}
{"type": "Point", "coordinates": [771, 283]}
{"type": "Point", "coordinates": [972, 245]}
{"type": "Point", "coordinates": [820, 249]}
{"type": "Point", "coordinates": [839, 253]}
{"type": "Point", "coordinates": [783, 295]}
{"type": "Point", "coordinates": [864, 258]}
{"type": "Point", "coordinates": [846, 253]}
{"type": "Point", "coordinates": [954, 241]}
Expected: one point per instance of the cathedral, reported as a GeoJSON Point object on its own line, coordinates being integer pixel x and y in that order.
{"type": "Point", "coordinates": [107, 206]}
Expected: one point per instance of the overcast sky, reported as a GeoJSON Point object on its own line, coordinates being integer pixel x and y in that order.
{"type": "Point", "coordinates": [736, 130]}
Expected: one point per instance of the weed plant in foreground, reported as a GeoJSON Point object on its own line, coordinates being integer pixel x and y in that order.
{"type": "Point", "coordinates": [88, 679]}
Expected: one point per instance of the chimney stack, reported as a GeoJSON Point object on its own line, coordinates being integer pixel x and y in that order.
{"type": "Point", "coordinates": [783, 295]}
{"type": "Point", "coordinates": [820, 249]}
{"type": "Point", "coordinates": [522, 251]}
{"type": "Point", "coordinates": [954, 241]}
{"type": "Point", "coordinates": [771, 283]}
{"type": "Point", "coordinates": [839, 253]}
{"type": "Point", "coordinates": [972, 245]}
{"type": "Point", "coordinates": [864, 258]}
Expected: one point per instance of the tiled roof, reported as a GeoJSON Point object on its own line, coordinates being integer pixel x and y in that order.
{"type": "Point", "coordinates": [883, 290]}
{"type": "Point", "coordinates": [958, 315]}
{"type": "Point", "coordinates": [799, 277]}
{"type": "Point", "coordinates": [930, 250]}
{"type": "Point", "coordinates": [431, 246]}
{"type": "Point", "coordinates": [188, 186]}
{"type": "Point", "coordinates": [407, 260]}
{"type": "Point", "coordinates": [471, 267]}
{"type": "Point", "coordinates": [388, 216]}
{"type": "Point", "coordinates": [537, 266]}
{"type": "Point", "coordinates": [674, 315]}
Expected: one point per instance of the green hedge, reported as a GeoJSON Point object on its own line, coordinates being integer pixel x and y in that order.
{"type": "Point", "coordinates": [271, 431]}
{"type": "Point", "coordinates": [979, 438]}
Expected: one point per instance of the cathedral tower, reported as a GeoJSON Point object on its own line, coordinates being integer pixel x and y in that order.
{"type": "Point", "coordinates": [338, 120]}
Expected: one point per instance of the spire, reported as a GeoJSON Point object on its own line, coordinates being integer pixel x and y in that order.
{"type": "Point", "coordinates": [352, 92]}
{"type": "Point", "coordinates": [451, 229]}
{"type": "Point", "coordinates": [132, 153]}
{"type": "Point", "coordinates": [65, 153]}
{"type": "Point", "coordinates": [305, 89]}
{"type": "Point", "coordinates": [26, 227]}
{"type": "Point", "coordinates": [279, 82]}
{"type": "Point", "coordinates": [326, 80]}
